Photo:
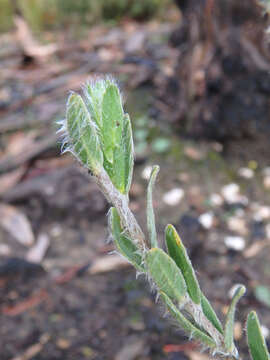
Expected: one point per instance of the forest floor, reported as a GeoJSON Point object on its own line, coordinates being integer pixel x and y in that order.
{"type": "Point", "coordinates": [62, 296]}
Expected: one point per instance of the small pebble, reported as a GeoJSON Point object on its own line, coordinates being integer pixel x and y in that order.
{"type": "Point", "coordinates": [207, 220]}
{"type": "Point", "coordinates": [217, 146]}
{"type": "Point", "coordinates": [239, 213]}
{"type": "Point", "coordinates": [236, 243]}
{"type": "Point", "coordinates": [231, 194]}
{"type": "Point", "coordinates": [56, 230]}
{"type": "Point", "coordinates": [246, 173]}
{"type": "Point", "coordinates": [266, 181]}
{"type": "Point", "coordinates": [173, 197]}
{"type": "Point", "coordinates": [266, 171]}
{"type": "Point", "coordinates": [265, 331]}
{"type": "Point", "coordinates": [184, 177]}
{"type": "Point", "coordinates": [237, 331]}
{"type": "Point", "coordinates": [63, 344]}
{"type": "Point", "coordinates": [193, 153]}
{"type": "Point", "coordinates": [261, 213]}
{"type": "Point", "coordinates": [49, 190]}
{"type": "Point", "coordinates": [216, 200]}
{"type": "Point", "coordinates": [146, 172]}
{"type": "Point", "coordinates": [238, 225]}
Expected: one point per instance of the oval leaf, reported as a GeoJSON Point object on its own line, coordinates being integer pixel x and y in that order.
{"type": "Point", "coordinates": [112, 120]}
{"type": "Point", "coordinates": [123, 159]}
{"type": "Point", "coordinates": [166, 274]}
{"type": "Point", "coordinates": [256, 341]}
{"type": "Point", "coordinates": [94, 92]}
{"type": "Point", "coordinates": [178, 253]}
{"type": "Point", "coordinates": [124, 245]}
{"type": "Point", "coordinates": [83, 135]}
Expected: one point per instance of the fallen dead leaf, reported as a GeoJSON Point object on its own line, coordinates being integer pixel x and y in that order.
{"type": "Point", "coordinates": [108, 263]}
{"type": "Point", "coordinates": [193, 153]}
{"type": "Point", "coordinates": [27, 304]}
{"type": "Point", "coordinates": [38, 251]}
{"type": "Point", "coordinates": [132, 349]}
{"type": "Point", "coordinates": [18, 142]}
{"type": "Point", "coordinates": [33, 350]}
{"type": "Point", "coordinates": [67, 275]}
{"type": "Point", "coordinates": [254, 249]}
{"type": "Point", "coordinates": [10, 179]}
{"type": "Point", "coordinates": [17, 224]}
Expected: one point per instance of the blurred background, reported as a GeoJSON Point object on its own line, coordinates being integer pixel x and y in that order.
{"type": "Point", "coordinates": [195, 79]}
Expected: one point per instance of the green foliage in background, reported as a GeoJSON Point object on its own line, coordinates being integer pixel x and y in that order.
{"type": "Point", "coordinates": [137, 9]}
{"type": "Point", "coordinates": [265, 5]}
{"type": "Point", "coordinates": [5, 15]}
{"type": "Point", "coordinates": [98, 133]}
{"type": "Point", "coordinates": [47, 14]}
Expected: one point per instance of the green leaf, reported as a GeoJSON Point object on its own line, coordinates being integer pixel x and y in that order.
{"type": "Point", "coordinates": [178, 253]}
{"type": "Point", "coordinates": [94, 92]}
{"type": "Point", "coordinates": [255, 339]}
{"type": "Point", "coordinates": [83, 135]}
{"type": "Point", "coordinates": [109, 168]}
{"type": "Point", "coordinates": [151, 225]}
{"type": "Point", "coordinates": [166, 274]}
{"type": "Point", "coordinates": [161, 145]}
{"type": "Point", "coordinates": [262, 293]}
{"type": "Point", "coordinates": [192, 330]}
{"type": "Point", "coordinates": [229, 325]}
{"type": "Point", "coordinates": [124, 159]}
{"type": "Point", "coordinates": [141, 135]}
{"type": "Point", "coordinates": [112, 121]}
{"type": "Point", "coordinates": [114, 130]}
{"type": "Point", "coordinates": [124, 244]}
{"type": "Point", "coordinates": [209, 312]}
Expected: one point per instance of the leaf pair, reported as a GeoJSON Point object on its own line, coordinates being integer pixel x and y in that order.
{"type": "Point", "coordinates": [100, 133]}
{"type": "Point", "coordinates": [173, 289]}
{"type": "Point", "coordinates": [116, 135]}
{"type": "Point", "coordinates": [186, 324]}
{"type": "Point", "coordinates": [174, 274]}
{"type": "Point", "coordinates": [164, 272]}
{"type": "Point", "coordinates": [178, 253]}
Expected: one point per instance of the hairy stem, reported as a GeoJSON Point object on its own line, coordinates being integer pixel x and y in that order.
{"type": "Point", "coordinates": [120, 202]}
{"type": "Point", "coordinates": [198, 315]}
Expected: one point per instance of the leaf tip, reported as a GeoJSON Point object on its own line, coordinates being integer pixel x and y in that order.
{"type": "Point", "coordinates": [170, 229]}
